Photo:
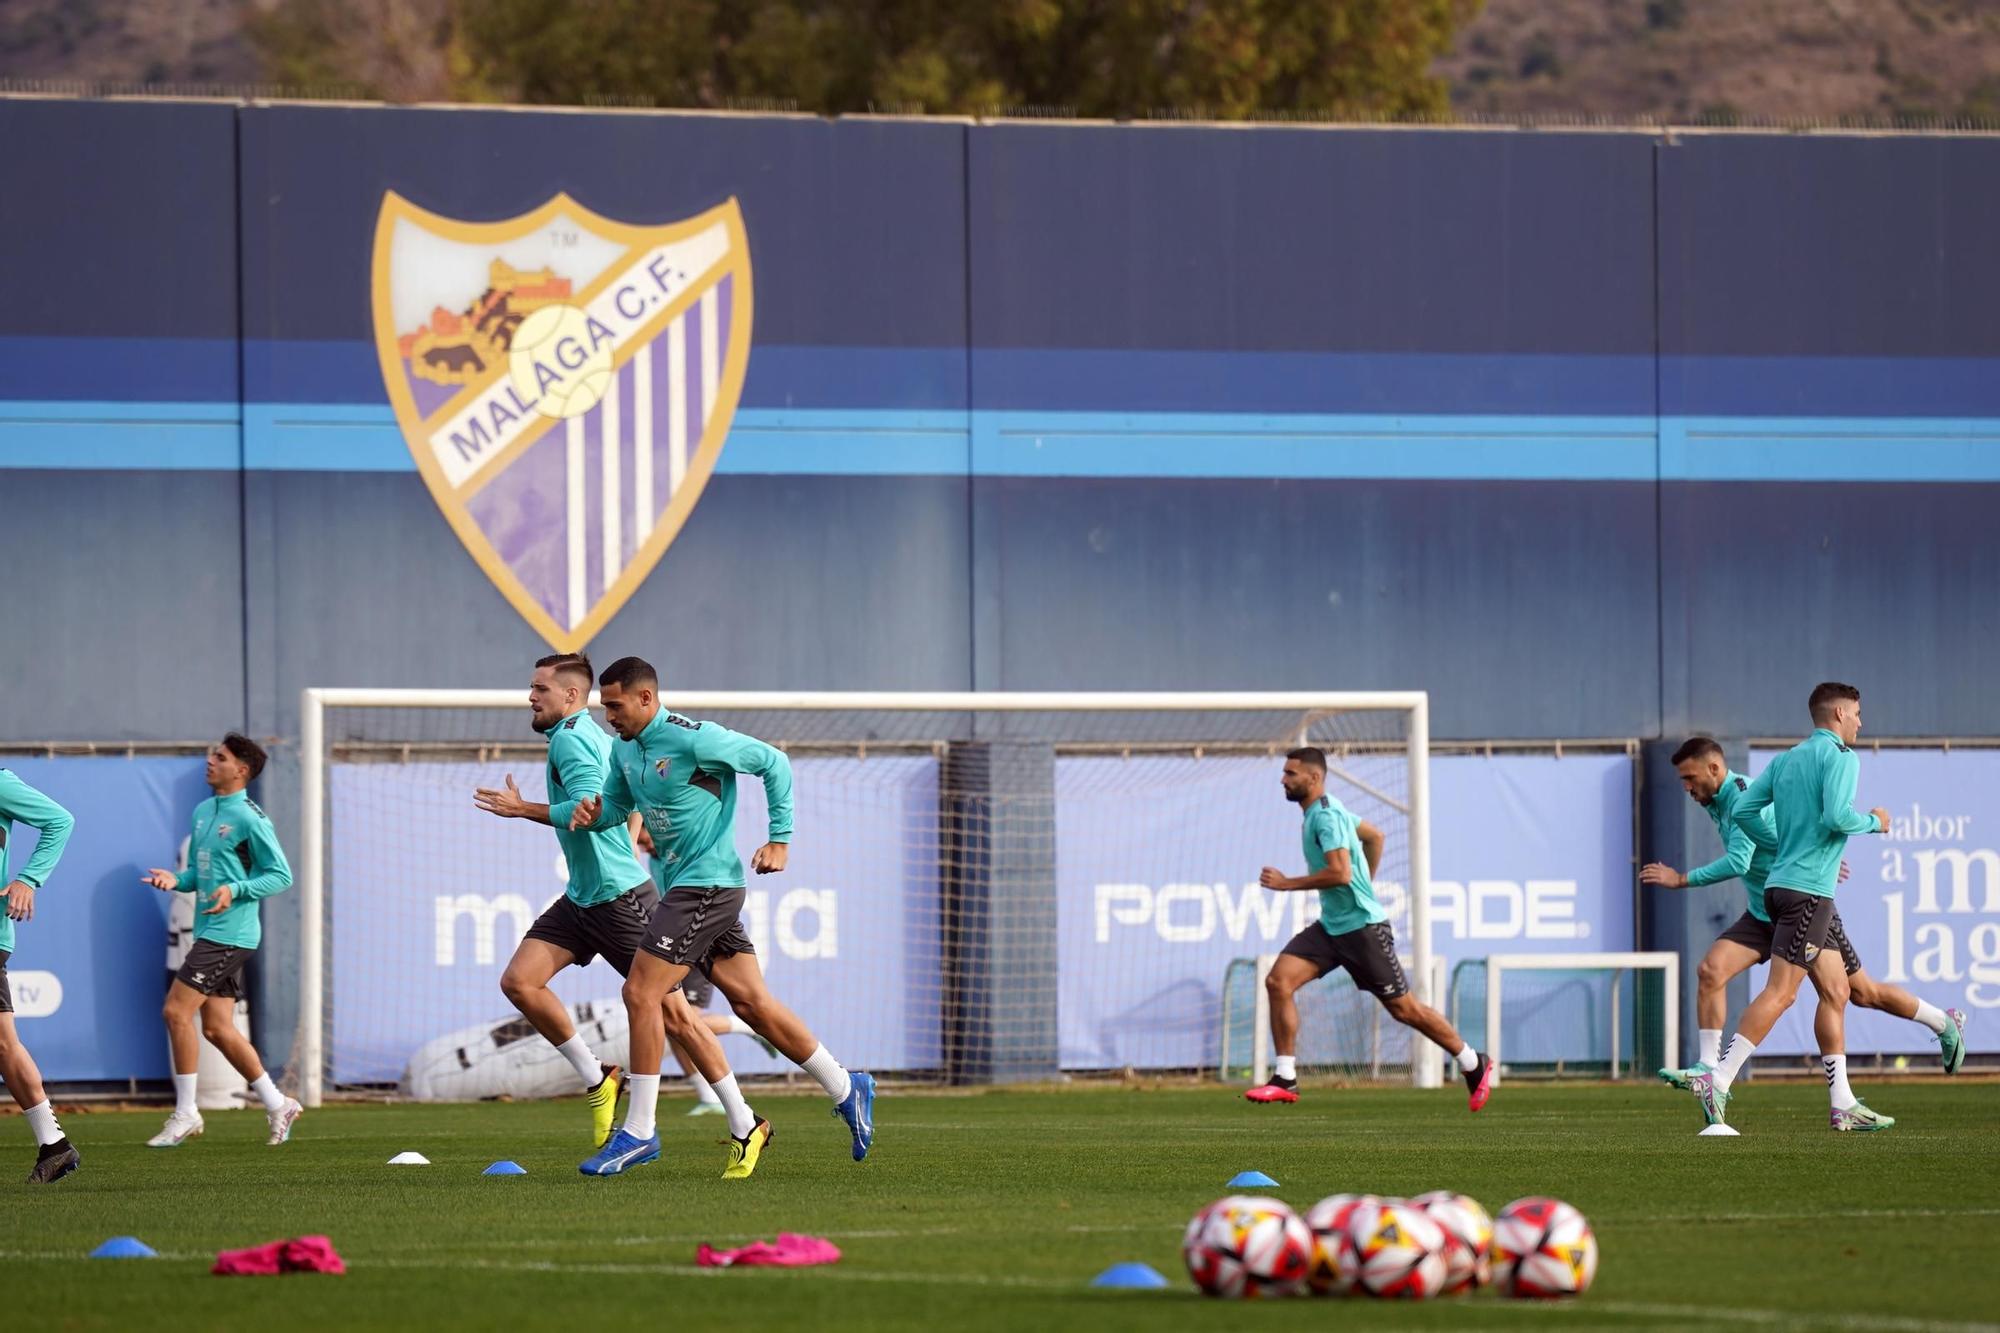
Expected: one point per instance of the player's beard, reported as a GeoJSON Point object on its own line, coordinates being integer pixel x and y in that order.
{"type": "Point", "coordinates": [542, 728]}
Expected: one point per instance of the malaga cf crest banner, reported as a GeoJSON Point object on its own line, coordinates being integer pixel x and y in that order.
{"type": "Point", "coordinates": [565, 383]}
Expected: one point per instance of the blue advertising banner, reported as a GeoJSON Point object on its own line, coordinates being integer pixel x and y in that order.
{"type": "Point", "coordinates": [847, 934]}
{"type": "Point", "coordinates": [89, 971]}
{"type": "Point", "coordinates": [1158, 858]}
{"type": "Point", "coordinates": [1921, 904]}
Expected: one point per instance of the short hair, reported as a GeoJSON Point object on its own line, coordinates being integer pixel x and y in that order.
{"type": "Point", "coordinates": [246, 751]}
{"type": "Point", "coordinates": [1309, 755]}
{"type": "Point", "coordinates": [630, 673]}
{"type": "Point", "coordinates": [1828, 693]}
{"type": "Point", "coordinates": [568, 664]}
{"type": "Point", "coordinates": [1697, 747]}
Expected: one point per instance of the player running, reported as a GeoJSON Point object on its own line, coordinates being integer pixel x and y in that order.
{"type": "Point", "coordinates": [1811, 786]}
{"type": "Point", "coordinates": [22, 804]}
{"type": "Point", "coordinates": [680, 775]}
{"type": "Point", "coordinates": [609, 896]}
{"type": "Point", "coordinates": [1342, 855]}
{"type": "Point", "coordinates": [1707, 779]}
{"type": "Point", "coordinates": [234, 863]}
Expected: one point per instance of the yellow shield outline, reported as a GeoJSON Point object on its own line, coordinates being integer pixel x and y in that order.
{"type": "Point", "coordinates": [701, 462]}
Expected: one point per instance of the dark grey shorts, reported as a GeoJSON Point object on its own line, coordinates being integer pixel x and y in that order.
{"type": "Point", "coordinates": [1751, 933]}
{"type": "Point", "coordinates": [611, 929]}
{"type": "Point", "coordinates": [1368, 954]}
{"type": "Point", "coordinates": [6, 991]}
{"type": "Point", "coordinates": [693, 926]}
{"type": "Point", "coordinates": [215, 969]}
{"type": "Point", "coordinates": [1801, 924]}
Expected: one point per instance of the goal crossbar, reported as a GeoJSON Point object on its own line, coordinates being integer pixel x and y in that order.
{"type": "Point", "coordinates": [1415, 704]}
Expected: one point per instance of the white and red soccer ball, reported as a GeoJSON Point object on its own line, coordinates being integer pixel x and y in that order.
{"type": "Point", "coordinates": [1468, 1239]}
{"type": "Point", "coordinates": [1543, 1248]}
{"type": "Point", "coordinates": [1248, 1248]}
{"type": "Point", "coordinates": [1398, 1252]}
{"type": "Point", "coordinates": [1333, 1264]}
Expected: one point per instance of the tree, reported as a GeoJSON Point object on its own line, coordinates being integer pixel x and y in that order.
{"type": "Point", "coordinates": [1223, 59]}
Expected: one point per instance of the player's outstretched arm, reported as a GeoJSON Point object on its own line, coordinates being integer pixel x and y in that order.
{"type": "Point", "coordinates": [507, 803]}
{"type": "Point", "coordinates": [166, 881]}
{"type": "Point", "coordinates": [1737, 851]}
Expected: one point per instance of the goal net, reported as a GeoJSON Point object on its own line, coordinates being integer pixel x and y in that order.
{"type": "Point", "coordinates": [982, 887]}
{"type": "Point", "coordinates": [1590, 1015]}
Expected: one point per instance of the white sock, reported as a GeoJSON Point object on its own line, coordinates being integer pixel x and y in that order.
{"type": "Point", "coordinates": [1930, 1016]}
{"type": "Point", "coordinates": [643, 1094]}
{"type": "Point", "coordinates": [741, 1121]}
{"type": "Point", "coordinates": [42, 1119]}
{"type": "Point", "coordinates": [1836, 1082]}
{"type": "Point", "coordinates": [184, 1095]}
{"type": "Point", "coordinates": [739, 1028]}
{"type": "Point", "coordinates": [1711, 1047]}
{"type": "Point", "coordinates": [1468, 1059]}
{"type": "Point", "coordinates": [702, 1092]}
{"type": "Point", "coordinates": [1741, 1048]}
{"type": "Point", "coordinates": [582, 1059]}
{"type": "Point", "coordinates": [267, 1092]}
{"type": "Point", "coordinates": [1285, 1066]}
{"type": "Point", "coordinates": [832, 1075]}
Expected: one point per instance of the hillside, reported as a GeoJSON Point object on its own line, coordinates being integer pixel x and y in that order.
{"type": "Point", "coordinates": [1781, 60]}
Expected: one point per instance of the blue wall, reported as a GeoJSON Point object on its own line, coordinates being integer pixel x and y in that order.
{"type": "Point", "coordinates": [1569, 429]}
{"type": "Point", "coordinates": [1588, 434]}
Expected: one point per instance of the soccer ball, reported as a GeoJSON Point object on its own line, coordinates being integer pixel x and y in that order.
{"type": "Point", "coordinates": [1398, 1250]}
{"type": "Point", "coordinates": [1468, 1239]}
{"type": "Point", "coordinates": [1543, 1247]}
{"type": "Point", "coordinates": [1333, 1264]}
{"type": "Point", "coordinates": [1247, 1248]}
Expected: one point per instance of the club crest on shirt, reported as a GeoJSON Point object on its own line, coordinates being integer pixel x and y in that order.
{"type": "Point", "coordinates": [565, 383]}
{"type": "Point", "coordinates": [662, 766]}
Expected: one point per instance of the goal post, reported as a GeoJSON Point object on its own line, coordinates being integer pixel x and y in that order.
{"type": "Point", "coordinates": [1022, 831]}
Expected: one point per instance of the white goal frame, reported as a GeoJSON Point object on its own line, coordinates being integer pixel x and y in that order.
{"type": "Point", "coordinates": [1499, 964]}
{"type": "Point", "coordinates": [310, 1053]}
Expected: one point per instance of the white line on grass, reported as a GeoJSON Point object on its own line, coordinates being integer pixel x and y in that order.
{"type": "Point", "coordinates": [1723, 1314]}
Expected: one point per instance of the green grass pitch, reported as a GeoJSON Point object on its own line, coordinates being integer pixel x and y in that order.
{"type": "Point", "coordinates": [995, 1210]}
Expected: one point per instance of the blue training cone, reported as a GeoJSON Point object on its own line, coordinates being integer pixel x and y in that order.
{"type": "Point", "coordinates": [123, 1247]}
{"type": "Point", "coordinates": [1130, 1275]}
{"type": "Point", "coordinates": [505, 1169]}
{"type": "Point", "coordinates": [1252, 1180]}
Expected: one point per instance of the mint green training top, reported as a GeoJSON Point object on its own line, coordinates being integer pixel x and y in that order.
{"type": "Point", "coordinates": [22, 804]}
{"type": "Point", "coordinates": [1811, 789]}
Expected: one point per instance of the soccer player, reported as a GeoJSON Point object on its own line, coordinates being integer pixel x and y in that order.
{"type": "Point", "coordinates": [1811, 786]}
{"type": "Point", "coordinates": [234, 863]}
{"type": "Point", "coordinates": [699, 989]}
{"type": "Point", "coordinates": [609, 896]}
{"type": "Point", "coordinates": [22, 804]}
{"type": "Point", "coordinates": [1342, 855]}
{"type": "Point", "coordinates": [1706, 777]}
{"type": "Point", "coordinates": [680, 775]}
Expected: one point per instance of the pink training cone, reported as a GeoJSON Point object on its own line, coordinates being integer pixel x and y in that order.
{"type": "Point", "coordinates": [787, 1251]}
